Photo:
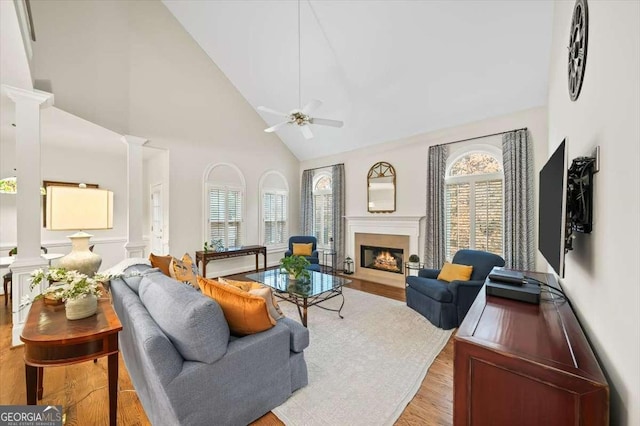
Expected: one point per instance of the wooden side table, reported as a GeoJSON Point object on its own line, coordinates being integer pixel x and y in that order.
{"type": "Point", "coordinates": [52, 340]}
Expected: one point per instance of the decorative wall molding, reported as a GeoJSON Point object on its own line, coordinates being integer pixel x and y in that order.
{"type": "Point", "coordinates": [383, 224]}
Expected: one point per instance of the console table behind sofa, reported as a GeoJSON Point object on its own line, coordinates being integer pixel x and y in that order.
{"type": "Point", "coordinates": [206, 257]}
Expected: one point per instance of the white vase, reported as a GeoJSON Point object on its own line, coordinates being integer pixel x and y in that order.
{"type": "Point", "coordinates": [81, 307]}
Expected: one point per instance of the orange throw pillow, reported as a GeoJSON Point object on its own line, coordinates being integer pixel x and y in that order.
{"type": "Point", "coordinates": [161, 262]}
{"type": "Point", "coordinates": [454, 272]}
{"type": "Point", "coordinates": [300, 249]}
{"type": "Point", "coordinates": [244, 312]}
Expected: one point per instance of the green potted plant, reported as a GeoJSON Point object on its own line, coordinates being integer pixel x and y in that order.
{"type": "Point", "coordinates": [414, 260]}
{"type": "Point", "coordinates": [296, 267]}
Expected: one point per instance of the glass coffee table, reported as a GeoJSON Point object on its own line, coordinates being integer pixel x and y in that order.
{"type": "Point", "coordinates": [304, 294]}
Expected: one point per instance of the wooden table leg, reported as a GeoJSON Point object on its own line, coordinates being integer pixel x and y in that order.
{"type": "Point", "coordinates": [40, 382]}
{"type": "Point", "coordinates": [31, 376]}
{"type": "Point", "coordinates": [257, 261]}
{"type": "Point", "coordinates": [113, 389]}
{"type": "Point", "coordinates": [304, 312]}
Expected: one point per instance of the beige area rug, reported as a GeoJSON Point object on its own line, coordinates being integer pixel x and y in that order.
{"type": "Point", "coordinates": [363, 369]}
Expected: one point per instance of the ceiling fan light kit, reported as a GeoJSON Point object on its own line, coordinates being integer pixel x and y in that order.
{"type": "Point", "coordinates": [301, 116]}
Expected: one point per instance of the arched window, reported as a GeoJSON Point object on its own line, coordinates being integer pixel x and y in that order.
{"type": "Point", "coordinates": [323, 209]}
{"type": "Point", "coordinates": [275, 209]}
{"type": "Point", "coordinates": [474, 201]}
{"type": "Point", "coordinates": [224, 205]}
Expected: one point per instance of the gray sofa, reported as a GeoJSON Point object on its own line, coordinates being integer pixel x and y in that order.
{"type": "Point", "coordinates": [186, 367]}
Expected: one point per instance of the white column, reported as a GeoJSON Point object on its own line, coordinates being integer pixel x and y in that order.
{"type": "Point", "coordinates": [135, 244]}
{"type": "Point", "coordinates": [28, 198]}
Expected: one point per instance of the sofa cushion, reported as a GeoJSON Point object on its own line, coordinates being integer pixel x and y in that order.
{"type": "Point", "coordinates": [454, 272]}
{"type": "Point", "coordinates": [133, 275]}
{"type": "Point", "coordinates": [437, 290]}
{"type": "Point", "coordinates": [245, 313]}
{"type": "Point", "coordinates": [161, 262]}
{"type": "Point", "coordinates": [194, 324]}
{"type": "Point", "coordinates": [182, 270]}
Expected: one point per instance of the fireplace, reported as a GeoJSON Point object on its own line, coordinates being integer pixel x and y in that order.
{"type": "Point", "coordinates": [400, 232]}
{"type": "Point", "coordinates": [387, 259]}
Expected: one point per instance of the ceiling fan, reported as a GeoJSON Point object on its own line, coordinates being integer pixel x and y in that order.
{"type": "Point", "coordinates": [301, 116]}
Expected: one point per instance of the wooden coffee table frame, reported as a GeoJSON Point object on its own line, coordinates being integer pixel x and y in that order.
{"type": "Point", "coordinates": [52, 340]}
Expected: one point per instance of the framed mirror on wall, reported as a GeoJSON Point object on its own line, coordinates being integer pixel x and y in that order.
{"type": "Point", "coordinates": [381, 188]}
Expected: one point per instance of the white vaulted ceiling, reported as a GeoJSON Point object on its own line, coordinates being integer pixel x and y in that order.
{"type": "Point", "coordinates": [388, 69]}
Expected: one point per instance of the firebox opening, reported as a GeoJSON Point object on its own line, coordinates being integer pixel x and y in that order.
{"type": "Point", "coordinates": [382, 258]}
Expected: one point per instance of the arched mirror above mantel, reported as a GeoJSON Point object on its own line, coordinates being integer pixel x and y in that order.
{"type": "Point", "coordinates": [381, 188]}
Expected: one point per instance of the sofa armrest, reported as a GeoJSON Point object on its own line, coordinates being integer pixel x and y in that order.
{"type": "Point", "coordinates": [429, 273]}
{"type": "Point", "coordinates": [315, 254]}
{"type": "Point", "coordinates": [463, 288]}
{"type": "Point", "coordinates": [299, 337]}
{"type": "Point", "coordinates": [288, 253]}
{"type": "Point", "coordinates": [464, 294]}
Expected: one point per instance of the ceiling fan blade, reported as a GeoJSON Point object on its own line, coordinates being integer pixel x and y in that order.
{"type": "Point", "coordinates": [311, 106]}
{"type": "Point", "coordinates": [272, 111]}
{"type": "Point", "coordinates": [275, 127]}
{"type": "Point", "coordinates": [326, 122]}
{"type": "Point", "coordinates": [306, 132]}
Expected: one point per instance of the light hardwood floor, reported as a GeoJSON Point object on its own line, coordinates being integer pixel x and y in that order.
{"type": "Point", "coordinates": [82, 388]}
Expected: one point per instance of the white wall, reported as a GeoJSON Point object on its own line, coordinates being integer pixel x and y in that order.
{"type": "Point", "coordinates": [601, 272]}
{"type": "Point", "coordinates": [173, 95]}
{"type": "Point", "coordinates": [409, 158]}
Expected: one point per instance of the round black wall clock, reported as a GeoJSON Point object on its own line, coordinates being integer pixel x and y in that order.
{"type": "Point", "coordinates": [578, 47]}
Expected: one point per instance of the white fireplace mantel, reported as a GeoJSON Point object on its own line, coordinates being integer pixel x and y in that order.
{"type": "Point", "coordinates": [383, 224]}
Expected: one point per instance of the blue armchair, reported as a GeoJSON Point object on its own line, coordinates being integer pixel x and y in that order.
{"type": "Point", "coordinates": [446, 304]}
{"type": "Point", "coordinates": [301, 239]}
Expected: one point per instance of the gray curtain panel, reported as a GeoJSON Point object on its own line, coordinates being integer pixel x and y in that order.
{"type": "Point", "coordinates": [517, 157]}
{"type": "Point", "coordinates": [338, 192]}
{"type": "Point", "coordinates": [306, 203]}
{"type": "Point", "coordinates": [435, 233]}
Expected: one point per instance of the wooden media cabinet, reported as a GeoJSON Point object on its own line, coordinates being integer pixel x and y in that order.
{"type": "Point", "coordinates": [522, 364]}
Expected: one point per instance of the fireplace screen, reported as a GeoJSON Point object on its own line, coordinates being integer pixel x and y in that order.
{"type": "Point", "coordinates": [382, 258]}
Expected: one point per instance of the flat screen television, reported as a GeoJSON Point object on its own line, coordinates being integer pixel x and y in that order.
{"type": "Point", "coordinates": [554, 230]}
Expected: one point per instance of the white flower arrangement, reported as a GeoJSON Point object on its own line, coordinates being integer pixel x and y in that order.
{"type": "Point", "coordinates": [73, 283]}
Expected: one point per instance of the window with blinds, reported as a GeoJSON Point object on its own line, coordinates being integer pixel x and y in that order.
{"type": "Point", "coordinates": [474, 204]}
{"type": "Point", "coordinates": [225, 215]}
{"type": "Point", "coordinates": [274, 210]}
{"type": "Point", "coordinates": [323, 211]}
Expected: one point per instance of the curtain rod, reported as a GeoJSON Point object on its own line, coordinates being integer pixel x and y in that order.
{"type": "Point", "coordinates": [480, 137]}
{"type": "Point", "coordinates": [324, 167]}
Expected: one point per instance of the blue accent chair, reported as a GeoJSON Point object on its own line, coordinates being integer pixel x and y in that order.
{"type": "Point", "coordinates": [302, 239]}
{"type": "Point", "coordinates": [446, 304]}
{"type": "Point", "coordinates": [314, 267]}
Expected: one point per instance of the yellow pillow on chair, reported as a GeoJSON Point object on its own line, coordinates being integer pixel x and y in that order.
{"type": "Point", "coordinates": [302, 249]}
{"type": "Point", "coordinates": [454, 272]}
